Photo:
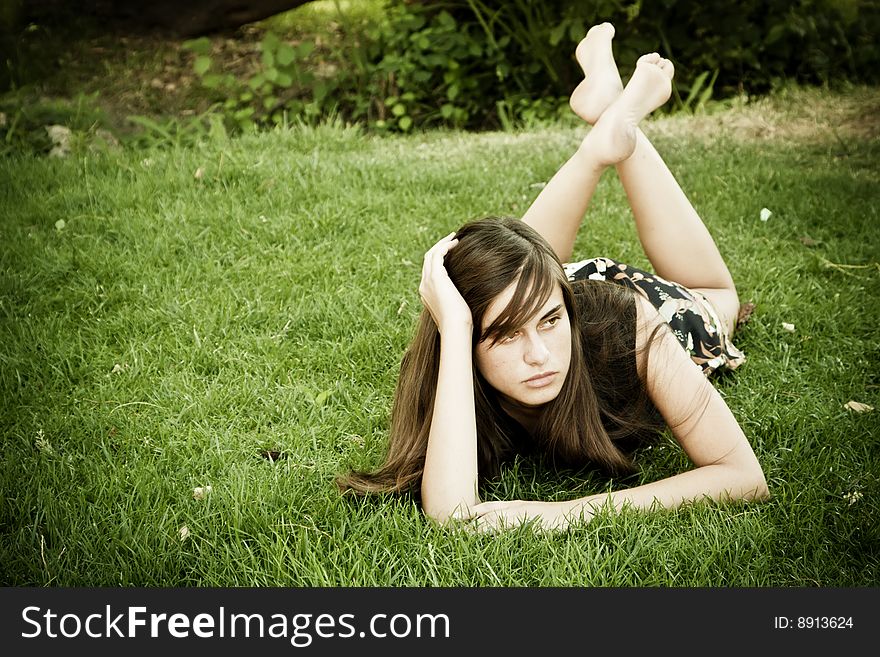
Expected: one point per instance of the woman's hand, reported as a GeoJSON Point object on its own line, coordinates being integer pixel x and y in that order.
{"type": "Point", "coordinates": [493, 516]}
{"type": "Point", "coordinates": [439, 294]}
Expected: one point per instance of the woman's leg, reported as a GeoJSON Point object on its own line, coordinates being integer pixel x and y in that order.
{"type": "Point", "coordinates": [673, 236]}
{"type": "Point", "coordinates": [559, 209]}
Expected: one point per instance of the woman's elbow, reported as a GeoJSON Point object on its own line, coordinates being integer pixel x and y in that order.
{"type": "Point", "coordinates": [444, 511]}
{"type": "Point", "coordinates": [754, 486]}
{"type": "Point", "coordinates": [746, 481]}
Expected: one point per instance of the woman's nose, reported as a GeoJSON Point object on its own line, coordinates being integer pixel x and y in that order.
{"type": "Point", "coordinates": [536, 352]}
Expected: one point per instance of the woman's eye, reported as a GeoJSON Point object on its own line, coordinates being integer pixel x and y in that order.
{"type": "Point", "coordinates": [553, 321]}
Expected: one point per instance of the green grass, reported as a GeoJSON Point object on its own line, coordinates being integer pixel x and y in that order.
{"type": "Point", "coordinates": [173, 328]}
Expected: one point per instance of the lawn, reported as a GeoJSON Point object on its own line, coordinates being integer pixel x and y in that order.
{"type": "Point", "coordinates": [232, 314]}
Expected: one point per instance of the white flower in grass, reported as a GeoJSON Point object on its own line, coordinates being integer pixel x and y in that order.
{"type": "Point", "coordinates": [199, 492]}
{"type": "Point", "coordinates": [765, 214]}
{"type": "Point", "coordinates": [853, 497]}
{"type": "Point", "coordinates": [60, 136]}
{"type": "Point", "coordinates": [183, 532]}
{"type": "Point", "coordinates": [788, 327]}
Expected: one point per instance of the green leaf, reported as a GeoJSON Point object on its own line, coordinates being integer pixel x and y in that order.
{"type": "Point", "coordinates": [270, 42]}
{"type": "Point", "coordinates": [445, 19]}
{"type": "Point", "coordinates": [268, 58]}
{"type": "Point", "coordinates": [200, 46]}
{"type": "Point", "coordinates": [775, 33]}
{"type": "Point", "coordinates": [405, 123]}
{"type": "Point", "coordinates": [285, 54]}
{"type": "Point", "coordinates": [447, 110]}
{"type": "Point", "coordinates": [305, 49]}
{"type": "Point", "coordinates": [399, 109]}
{"type": "Point", "coordinates": [557, 32]}
{"type": "Point", "coordinates": [212, 80]}
{"type": "Point", "coordinates": [201, 65]}
{"type": "Point", "coordinates": [283, 79]}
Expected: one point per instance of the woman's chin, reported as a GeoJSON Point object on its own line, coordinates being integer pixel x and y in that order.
{"type": "Point", "coordinates": [536, 397]}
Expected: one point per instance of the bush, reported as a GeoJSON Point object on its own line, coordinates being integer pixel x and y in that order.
{"type": "Point", "coordinates": [486, 63]}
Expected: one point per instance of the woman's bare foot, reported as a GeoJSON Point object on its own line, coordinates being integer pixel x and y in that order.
{"type": "Point", "coordinates": [601, 85]}
{"type": "Point", "coordinates": [613, 138]}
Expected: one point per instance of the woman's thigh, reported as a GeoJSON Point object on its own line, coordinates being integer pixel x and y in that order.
{"type": "Point", "coordinates": [726, 304]}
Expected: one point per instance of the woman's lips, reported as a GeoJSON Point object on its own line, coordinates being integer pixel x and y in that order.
{"type": "Point", "coordinates": [540, 380]}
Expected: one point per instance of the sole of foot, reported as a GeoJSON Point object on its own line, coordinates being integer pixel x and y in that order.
{"type": "Point", "coordinates": [613, 138]}
{"type": "Point", "coordinates": [601, 84]}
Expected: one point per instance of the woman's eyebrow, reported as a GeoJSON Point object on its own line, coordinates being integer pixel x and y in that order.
{"type": "Point", "coordinates": [551, 311]}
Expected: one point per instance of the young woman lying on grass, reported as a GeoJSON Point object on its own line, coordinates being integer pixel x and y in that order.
{"type": "Point", "coordinates": [517, 353]}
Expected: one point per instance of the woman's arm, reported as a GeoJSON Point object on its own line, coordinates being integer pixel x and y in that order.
{"type": "Point", "coordinates": [449, 479]}
{"type": "Point", "coordinates": [725, 465]}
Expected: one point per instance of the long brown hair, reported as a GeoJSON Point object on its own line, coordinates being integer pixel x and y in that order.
{"type": "Point", "coordinates": [602, 402]}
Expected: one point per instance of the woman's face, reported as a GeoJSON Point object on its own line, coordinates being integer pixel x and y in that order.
{"type": "Point", "coordinates": [529, 366]}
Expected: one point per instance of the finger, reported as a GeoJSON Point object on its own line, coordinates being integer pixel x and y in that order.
{"type": "Point", "coordinates": [443, 240]}
{"type": "Point", "coordinates": [439, 250]}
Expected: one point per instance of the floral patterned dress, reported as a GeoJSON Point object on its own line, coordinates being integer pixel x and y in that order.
{"type": "Point", "coordinates": [690, 315]}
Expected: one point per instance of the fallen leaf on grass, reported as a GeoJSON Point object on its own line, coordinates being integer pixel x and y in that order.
{"type": "Point", "coordinates": [858, 407]}
{"type": "Point", "coordinates": [116, 369]}
{"type": "Point", "coordinates": [273, 455]}
{"type": "Point", "coordinates": [765, 214]}
{"type": "Point", "coordinates": [183, 532]}
{"type": "Point", "coordinates": [60, 136]}
{"type": "Point", "coordinates": [788, 327]}
{"type": "Point", "coordinates": [199, 492]}
{"type": "Point", "coordinates": [199, 174]}
{"type": "Point", "coordinates": [808, 241]}
{"type": "Point", "coordinates": [745, 313]}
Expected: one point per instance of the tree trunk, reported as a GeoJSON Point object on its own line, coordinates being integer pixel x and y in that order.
{"type": "Point", "coordinates": [182, 18]}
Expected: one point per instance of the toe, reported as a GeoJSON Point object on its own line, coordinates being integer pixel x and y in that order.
{"type": "Point", "coordinates": [650, 58]}
{"type": "Point", "coordinates": [667, 67]}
